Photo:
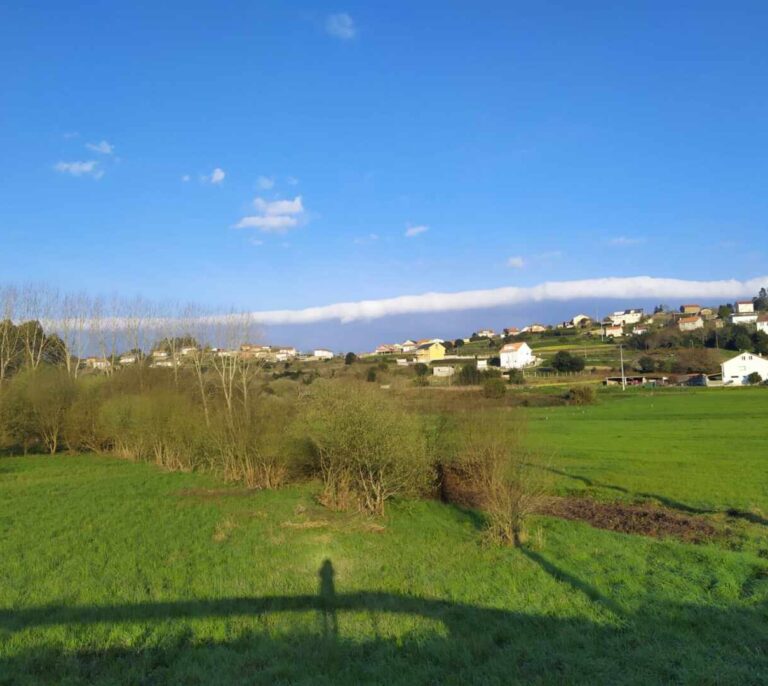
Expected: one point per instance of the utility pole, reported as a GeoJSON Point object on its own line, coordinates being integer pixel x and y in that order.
{"type": "Point", "coordinates": [623, 377]}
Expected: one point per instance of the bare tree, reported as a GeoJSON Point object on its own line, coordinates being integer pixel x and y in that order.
{"type": "Point", "coordinates": [9, 332]}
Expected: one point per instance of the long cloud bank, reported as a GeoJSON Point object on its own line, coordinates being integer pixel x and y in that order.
{"type": "Point", "coordinates": [620, 288]}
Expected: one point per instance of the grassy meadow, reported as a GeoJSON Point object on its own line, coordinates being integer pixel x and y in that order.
{"type": "Point", "coordinates": [116, 572]}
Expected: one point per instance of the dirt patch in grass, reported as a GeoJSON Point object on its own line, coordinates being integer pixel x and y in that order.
{"type": "Point", "coordinates": [644, 519]}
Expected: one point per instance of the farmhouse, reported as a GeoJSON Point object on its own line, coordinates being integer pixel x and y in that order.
{"type": "Point", "coordinates": [516, 356]}
{"type": "Point", "coordinates": [428, 352]}
{"type": "Point", "coordinates": [96, 363]}
{"type": "Point", "coordinates": [408, 346]}
{"type": "Point", "coordinates": [534, 328]}
{"type": "Point", "coordinates": [486, 333]}
{"type": "Point", "coordinates": [690, 323]}
{"type": "Point", "coordinates": [762, 322]}
{"type": "Point", "coordinates": [737, 369]}
{"type": "Point", "coordinates": [613, 330]}
{"type": "Point", "coordinates": [690, 309]}
{"type": "Point", "coordinates": [639, 330]}
{"type": "Point", "coordinates": [128, 358]}
{"type": "Point", "coordinates": [511, 331]}
{"type": "Point", "coordinates": [322, 354]}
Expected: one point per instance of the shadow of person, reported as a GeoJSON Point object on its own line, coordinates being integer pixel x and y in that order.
{"type": "Point", "coordinates": [327, 593]}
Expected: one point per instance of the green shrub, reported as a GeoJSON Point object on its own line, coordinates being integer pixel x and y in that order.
{"type": "Point", "coordinates": [369, 449]}
{"type": "Point", "coordinates": [494, 388]}
{"type": "Point", "coordinates": [580, 395]}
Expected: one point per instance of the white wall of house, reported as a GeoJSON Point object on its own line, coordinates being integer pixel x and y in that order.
{"type": "Point", "coordinates": [321, 354]}
{"type": "Point", "coordinates": [762, 325]}
{"type": "Point", "coordinates": [443, 371]}
{"type": "Point", "coordinates": [516, 356]}
{"type": "Point", "coordinates": [737, 369]}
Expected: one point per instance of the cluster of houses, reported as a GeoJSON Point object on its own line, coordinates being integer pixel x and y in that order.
{"type": "Point", "coordinates": [163, 358]}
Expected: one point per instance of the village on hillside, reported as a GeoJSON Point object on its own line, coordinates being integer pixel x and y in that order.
{"type": "Point", "coordinates": [693, 344]}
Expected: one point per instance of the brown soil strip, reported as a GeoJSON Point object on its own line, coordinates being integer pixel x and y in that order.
{"type": "Point", "coordinates": [644, 519]}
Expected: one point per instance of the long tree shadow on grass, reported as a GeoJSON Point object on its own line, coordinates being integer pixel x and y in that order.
{"type": "Point", "coordinates": [445, 642]}
{"type": "Point", "coordinates": [664, 500]}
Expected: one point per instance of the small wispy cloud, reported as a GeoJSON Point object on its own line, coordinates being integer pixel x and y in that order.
{"type": "Point", "coordinates": [90, 168]}
{"type": "Point", "coordinates": [186, 178]}
{"type": "Point", "coordinates": [217, 176]}
{"type": "Point", "coordinates": [340, 26]}
{"type": "Point", "coordinates": [274, 216]}
{"type": "Point", "coordinates": [516, 262]}
{"type": "Point", "coordinates": [624, 241]}
{"type": "Point", "coordinates": [292, 181]}
{"type": "Point", "coordinates": [102, 147]}
{"type": "Point", "coordinates": [362, 240]}
{"type": "Point", "coordinates": [278, 207]}
{"type": "Point", "coordinates": [68, 135]}
{"type": "Point", "coordinates": [413, 231]}
{"type": "Point", "coordinates": [265, 183]}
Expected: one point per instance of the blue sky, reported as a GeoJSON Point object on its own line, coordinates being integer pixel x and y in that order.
{"type": "Point", "coordinates": [517, 142]}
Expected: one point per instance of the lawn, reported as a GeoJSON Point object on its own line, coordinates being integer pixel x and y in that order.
{"type": "Point", "coordinates": [691, 448]}
{"type": "Point", "coordinates": [117, 573]}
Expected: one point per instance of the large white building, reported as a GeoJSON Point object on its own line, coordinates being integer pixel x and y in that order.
{"type": "Point", "coordinates": [737, 369]}
{"type": "Point", "coordinates": [323, 354]}
{"type": "Point", "coordinates": [516, 356]}
{"type": "Point", "coordinates": [745, 313]}
{"type": "Point", "coordinates": [624, 317]}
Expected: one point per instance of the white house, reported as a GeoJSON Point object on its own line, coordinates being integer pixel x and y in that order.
{"type": "Point", "coordinates": [762, 322]}
{"type": "Point", "coordinates": [516, 356]}
{"type": "Point", "coordinates": [581, 320]}
{"type": "Point", "coordinates": [323, 354]}
{"type": "Point", "coordinates": [443, 371]}
{"type": "Point", "coordinates": [408, 346]}
{"type": "Point", "coordinates": [690, 323]}
{"type": "Point", "coordinates": [624, 317]}
{"type": "Point", "coordinates": [534, 328]}
{"type": "Point", "coordinates": [737, 369]}
{"type": "Point", "coordinates": [745, 313]}
{"type": "Point", "coordinates": [285, 354]}
{"type": "Point", "coordinates": [486, 333]}
{"type": "Point", "coordinates": [128, 358]}
{"type": "Point", "coordinates": [613, 330]}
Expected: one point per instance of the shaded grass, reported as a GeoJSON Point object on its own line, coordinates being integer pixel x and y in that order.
{"type": "Point", "coordinates": [113, 573]}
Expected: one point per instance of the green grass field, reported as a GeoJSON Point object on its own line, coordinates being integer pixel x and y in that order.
{"type": "Point", "coordinates": [117, 573]}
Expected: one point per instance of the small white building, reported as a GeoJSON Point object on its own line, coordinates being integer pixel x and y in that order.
{"type": "Point", "coordinates": [285, 354]}
{"type": "Point", "coordinates": [690, 323]}
{"type": "Point", "coordinates": [516, 356]}
{"type": "Point", "coordinates": [128, 358]}
{"type": "Point", "coordinates": [322, 354]}
{"type": "Point", "coordinates": [737, 369]}
{"type": "Point", "coordinates": [486, 333]}
{"type": "Point", "coordinates": [482, 364]}
{"type": "Point", "coordinates": [762, 322]}
{"type": "Point", "coordinates": [624, 317]}
{"type": "Point", "coordinates": [745, 313]}
{"type": "Point", "coordinates": [581, 320]}
{"type": "Point", "coordinates": [443, 371]}
{"type": "Point", "coordinates": [613, 330]}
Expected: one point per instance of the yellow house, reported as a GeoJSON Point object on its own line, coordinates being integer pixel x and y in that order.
{"type": "Point", "coordinates": [430, 351]}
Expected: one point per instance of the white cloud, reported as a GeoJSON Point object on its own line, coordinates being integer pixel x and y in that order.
{"type": "Point", "coordinates": [340, 26]}
{"type": "Point", "coordinates": [68, 135]}
{"type": "Point", "coordinates": [275, 216]}
{"type": "Point", "coordinates": [626, 289]}
{"type": "Point", "coordinates": [277, 207]}
{"type": "Point", "coordinates": [265, 183]}
{"type": "Point", "coordinates": [516, 262]}
{"type": "Point", "coordinates": [269, 224]}
{"type": "Point", "coordinates": [102, 147]}
{"type": "Point", "coordinates": [413, 231]}
{"type": "Point", "coordinates": [624, 241]}
{"type": "Point", "coordinates": [89, 168]}
{"type": "Point", "coordinates": [292, 181]}
{"type": "Point", "coordinates": [217, 176]}
{"type": "Point", "coordinates": [185, 178]}
{"type": "Point", "coordinates": [256, 241]}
